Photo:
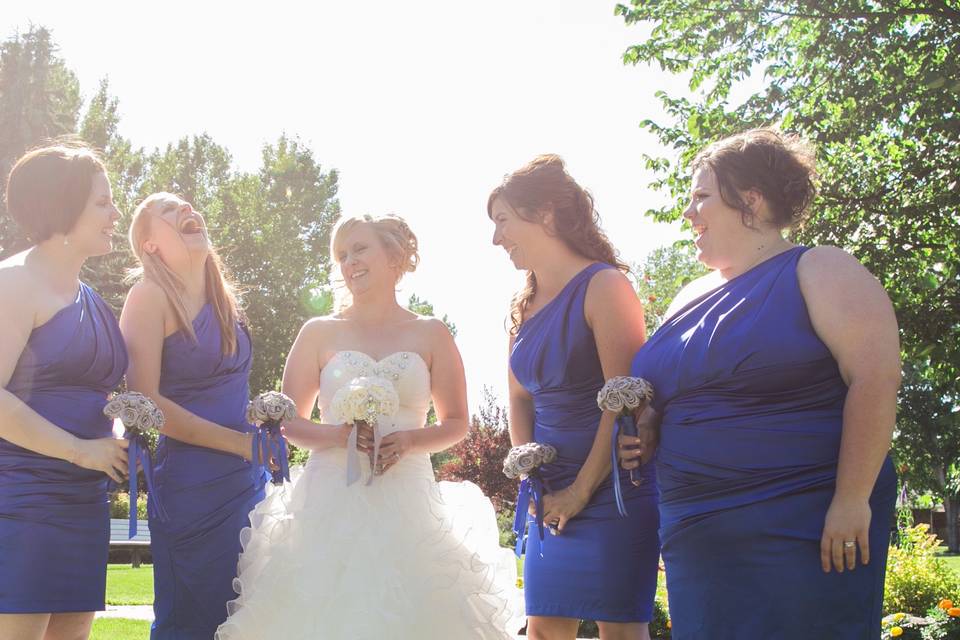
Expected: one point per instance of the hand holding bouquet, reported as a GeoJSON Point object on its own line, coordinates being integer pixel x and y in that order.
{"type": "Point", "coordinates": [364, 400]}
{"type": "Point", "coordinates": [624, 396]}
{"type": "Point", "coordinates": [142, 420]}
{"type": "Point", "coordinates": [524, 462]}
{"type": "Point", "coordinates": [268, 411]}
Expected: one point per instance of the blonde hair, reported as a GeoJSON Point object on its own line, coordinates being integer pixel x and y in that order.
{"type": "Point", "coordinates": [395, 236]}
{"type": "Point", "coordinates": [221, 292]}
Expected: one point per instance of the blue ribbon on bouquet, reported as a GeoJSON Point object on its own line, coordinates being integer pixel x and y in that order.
{"type": "Point", "coordinates": [531, 486]}
{"type": "Point", "coordinates": [138, 453]}
{"type": "Point", "coordinates": [623, 424]}
{"type": "Point", "coordinates": [268, 437]}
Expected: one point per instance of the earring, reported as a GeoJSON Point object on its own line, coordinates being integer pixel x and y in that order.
{"type": "Point", "coordinates": [66, 240]}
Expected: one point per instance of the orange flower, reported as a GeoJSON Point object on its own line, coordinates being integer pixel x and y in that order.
{"type": "Point", "coordinates": [896, 632]}
{"type": "Point", "coordinates": [945, 604]}
{"type": "Point", "coordinates": [669, 625]}
{"type": "Point", "coordinates": [954, 612]}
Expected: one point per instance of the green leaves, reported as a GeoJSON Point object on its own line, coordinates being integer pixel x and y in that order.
{"type": "Point", "coordinates": [272, 226]}
{"type": "Point", "coordinates": [874, 85]}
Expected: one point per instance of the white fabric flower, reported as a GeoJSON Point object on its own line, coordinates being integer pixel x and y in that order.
{"type": "Point", "coordinates": [271, 405]}
{"type": "Point", "coordinates": [365, 399]}
{"type": "Point", "coordinates": [524, 459]}
{"type": "Point", "coordinates": [624, 394]}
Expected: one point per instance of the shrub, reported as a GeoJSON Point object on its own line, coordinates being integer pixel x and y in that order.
{"type": "Point", "coordinates": [916, 578]}
{"type": "Point", "coordinates": [479, 457]}
{"type": "Point", "coordinates": [120, 505]}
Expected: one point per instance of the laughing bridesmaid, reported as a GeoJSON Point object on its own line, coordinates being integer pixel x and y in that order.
{"type": "Point", "coordinates": [190, 351]}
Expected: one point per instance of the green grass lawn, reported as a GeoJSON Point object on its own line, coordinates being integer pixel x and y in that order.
{"type": "Point", "coordinates": [120, 629]}
{"type": "Point", "coordinates": [126, 585]}
{"type": "Point", "coordinates": [950, 559]}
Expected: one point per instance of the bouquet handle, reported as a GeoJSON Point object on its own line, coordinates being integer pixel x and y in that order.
{"type": "Point", "coordinates": [268, 437]}
{"type": "Point", "coordinates": [624, 424]}
{"type": "Point", "coordinates": [139, 454]}
{"type": "Point", "coordinates": [530, 487]}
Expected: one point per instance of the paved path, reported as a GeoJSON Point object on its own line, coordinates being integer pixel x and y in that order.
{"type": "Point", "coordinates": [145, 612]}
{"type": "Point", "coordinates": [135, 612]}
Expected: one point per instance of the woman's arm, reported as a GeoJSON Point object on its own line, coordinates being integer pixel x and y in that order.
{"type": "Point", "coordinates": [851, 313]}
{"type": "Point", "coordinates": [614, 313]}
{"type": "Point", "coordinates": [521, 406]}
{"type": "Point", "coordinates": [301, 382]}
{"type": "Point", "coordinates": [448, 388]}
{"type": "Point", "coordinates": [142, 325]}
{"type": "Point", "coordinates": [20, 424]}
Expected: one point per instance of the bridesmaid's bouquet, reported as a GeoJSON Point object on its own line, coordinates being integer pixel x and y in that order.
{"type": "Point", "coordinates": [623, 395]}
{"type": "Point", "coordinates": [364, 400]}
{"type": "Point", "coordinates": [142, 420]}
{"type": "Point", "coordinates": [268, 411]}
{"type": "Point", "coordinates": [524, 462]}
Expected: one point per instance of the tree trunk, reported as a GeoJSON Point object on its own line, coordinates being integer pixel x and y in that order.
{"type": "Point", "coordinates": [952, 506]}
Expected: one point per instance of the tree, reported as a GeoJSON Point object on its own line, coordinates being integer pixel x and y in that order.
{"type": "Point", "coordinates": [126, 169]}
{"type": "Point", "coordinates": [39, 100]}
{"type": "Point", "coordinates": [927, 441]}
{"type": "Point", "coordinates": [479, 457]}
{"type": "Point", "coordinates": [661, 276]}
{"type": "Point", "coordinates": [424, 308]}
{"type": "Point", "coordinates": [273, 226]}
{"type": "Point", "coordinates": [275, 230]}
{"type": "Point", "coordinates": [876, 86]}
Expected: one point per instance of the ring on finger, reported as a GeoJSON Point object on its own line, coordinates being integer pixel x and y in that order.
{"type": "Point", "coordinates": [849, 544]}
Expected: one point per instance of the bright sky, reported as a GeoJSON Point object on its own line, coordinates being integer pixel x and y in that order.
{"type": "Point", "coordinates": [422, 106]}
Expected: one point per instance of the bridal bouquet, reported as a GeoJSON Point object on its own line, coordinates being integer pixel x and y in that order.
{"type": "Point", "coordinates": [268, 410]}
{"type": "Point", "coordinates": [142, 420]}
{"type": "Point", "coordinates": [366, 400]}
{"type": "Point", "coordinates": [623, 395]}
{"type": "Point", "coordinates": [524, 462]}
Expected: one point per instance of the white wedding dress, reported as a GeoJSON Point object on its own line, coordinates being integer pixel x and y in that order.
{"type": "Point", "coordinates": [403, 558]}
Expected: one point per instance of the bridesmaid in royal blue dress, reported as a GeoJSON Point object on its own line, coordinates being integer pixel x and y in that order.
{"type": "Point", "coordinates": [61, 354]}
{"type": "Point", "coordinates": [190, 351]}
{"type": "Point", "coordinates": [575, 325]}
{"type": "Point", "coordinates": [776, 377]}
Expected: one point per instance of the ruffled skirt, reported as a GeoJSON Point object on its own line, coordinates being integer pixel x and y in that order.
{"type": "Point", "coordinates": [403, 558]}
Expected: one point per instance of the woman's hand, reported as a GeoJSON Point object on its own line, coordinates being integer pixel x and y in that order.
{"type": "Point", "coordinates": [845, 529]}
{"type": "Point", "coordinates": [561, 506]}
{"type": "Point", "coordinates": [364, 438]}
{"type": "Point", "coordinates": [632, 451]}
{"type": "Point", "coordinates": [108, 455]}
{"type": "Point", "coordinates": [392, 448]}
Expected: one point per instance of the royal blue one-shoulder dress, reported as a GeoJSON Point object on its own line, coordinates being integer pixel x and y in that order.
{"type": "Point", "coordinates": [752, 403]}
{"type": "Point", "coordinates": [207, 494]}
{"type": "Point", "coordinates": [603, 566]}
{"type": "Point", "coordinates": [54, 515]}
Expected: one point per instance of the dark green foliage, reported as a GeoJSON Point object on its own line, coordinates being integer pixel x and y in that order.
{"type": "Point", "coordinates": [876, 87]}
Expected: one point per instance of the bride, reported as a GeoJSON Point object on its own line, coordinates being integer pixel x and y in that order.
{"type": "Point", "coordinates": [393, 554]}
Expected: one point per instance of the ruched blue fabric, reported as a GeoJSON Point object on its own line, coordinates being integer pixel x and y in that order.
{"type": "Point", "coordinates": [603, 566]}
{"type": "Point", "coordinates": [752, 404]}
{"type": "Point", "coordinates": [54, 515]}
{"type": "Point", "coordinates": [207, 494]}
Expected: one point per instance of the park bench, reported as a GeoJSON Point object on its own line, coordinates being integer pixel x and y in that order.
{"type": "Point", "coordinates": [120, 538]}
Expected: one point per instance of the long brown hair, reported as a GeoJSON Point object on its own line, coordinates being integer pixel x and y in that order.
{"type": "Point", "coordinates": [541, 184]}
{"type": "Point", "coordinates": [221, 292]}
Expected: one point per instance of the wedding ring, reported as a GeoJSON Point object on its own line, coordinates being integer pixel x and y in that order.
{"type": "Point", "coordinates": [849, 544]}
